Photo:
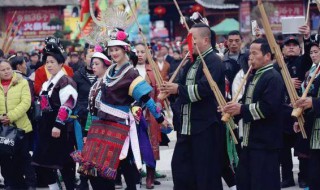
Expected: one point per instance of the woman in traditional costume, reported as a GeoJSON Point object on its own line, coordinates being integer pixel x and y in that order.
{"type": "Point", "coordinates": [154, 131]}
{"type": "Point", "coordinates": [112, 140]}
{"type": "Point", "coordinates": [56, 135]}
{"type": "Point", "coordinates": [311, 105]}
{"type": "Point", "coordinates": [99, 64]}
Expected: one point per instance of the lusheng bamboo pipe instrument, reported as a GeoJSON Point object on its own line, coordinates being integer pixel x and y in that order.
{"type": "Point", "coordinates": [162, 95]}
{"type": "Point", "coordinates": [298, 111]}
{"type": "Point", "coordinates": [7, 31]}
{"type": "Point", "coordinates": [279, 57]}
{"type": "Point", "coordinates": [153, 65]}
{"type": "Point", "coordinates": [6, 50]}
{"type": "Point", "coordinates": [308, 10]}
{"type": "Point", "coordinates": [227, 116]}
{"type": "Point", "coordinates": [213, 85]}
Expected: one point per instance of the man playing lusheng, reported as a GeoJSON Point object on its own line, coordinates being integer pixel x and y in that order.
{"type": "Point", "coordinates": [262, 137]}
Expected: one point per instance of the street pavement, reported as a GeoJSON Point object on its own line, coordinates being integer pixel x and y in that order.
{"type": "Point", "coordinates": [164, 167]}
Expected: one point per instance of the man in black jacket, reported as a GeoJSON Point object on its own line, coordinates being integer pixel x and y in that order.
{"type": "Point", "coordinates": [196, 161]}
{"type": "Point", "coordinates": [34, 63]}
{"type": "Point", "coordinates": [164, 51]}
{"type": "Point", "coordinates": [297, 65]}
{"type": "Point", "coordinates": [259, 161]}
{"type": "Point", "coordinates": [75, 61]}
{"type": "Point", "coordinates": [234, 59]}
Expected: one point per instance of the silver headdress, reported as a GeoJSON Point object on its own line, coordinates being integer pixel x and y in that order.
{"type": "Point", "coordinates": [111, 18]}
{"type": "Point", "coordinates": [197, 16]}
{"type": "Point", "coordinates": [96, 35]}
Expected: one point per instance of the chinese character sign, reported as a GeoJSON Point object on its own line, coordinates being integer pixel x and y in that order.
{"type": "Point", "coordinates": [35, 21]}
{"type": "Point", "coordinates": [285, 10]}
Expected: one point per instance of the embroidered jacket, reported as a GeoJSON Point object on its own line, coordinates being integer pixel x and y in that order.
{"type": "Point", "coordinates": [315, 136]}
{"type": "Point", "coordinates": [312, 116]}
{"type": "Point", "coordinates": [120, 89]}
{"type": "Point", "coordinates": [262, 104]}
{"type": "Point", "coordinates": [59, 94]}
{"type": "Point", "coordinates": [199, 106]}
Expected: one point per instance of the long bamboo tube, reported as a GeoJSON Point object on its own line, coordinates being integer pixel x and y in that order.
{"type": "Point", "coordinates": [162, 96]}
{"type": "Point", "coordinates": [7, 31]}
{"type": "Point", "coordinates": [308, 12]}
{"type": "Point", "coordinates": [227, 116]}
{"type": "Point", "coordinates": [213, 85]}
{"type": "Point", "coordinates": [279, 57]}
{"type": "Point", "coordinates": [298, 111]}
{"type": "Point", "coordinates": [153, 65]}
{"type": "Point", "coordinates": [12, 38]}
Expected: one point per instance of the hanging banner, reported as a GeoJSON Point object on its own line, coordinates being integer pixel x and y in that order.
{"type": "Point", "coordinates": [284, 9]}
{"type": "Point", "coordinates": [35, 21]}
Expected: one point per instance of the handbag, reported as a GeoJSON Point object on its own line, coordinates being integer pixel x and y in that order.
{"type": "Point", "coordinates": [10, 136]}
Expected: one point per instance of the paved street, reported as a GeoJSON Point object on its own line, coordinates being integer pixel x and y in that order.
{"type": "Point", "coordinates": [164, 167]}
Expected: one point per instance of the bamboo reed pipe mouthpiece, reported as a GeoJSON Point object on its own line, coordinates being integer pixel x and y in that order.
{"type": "Point", "coordinates": [162, 96]}
{"type": "Point", "coordinates": [225, 117]}
{"type": "Point", "coordinates": [296, 112]}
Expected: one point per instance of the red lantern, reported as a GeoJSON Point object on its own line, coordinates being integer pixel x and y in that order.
{"type": "Point", "coordinates": [197, 8]}
{"type": "Point", "coordinates": [160, 11]}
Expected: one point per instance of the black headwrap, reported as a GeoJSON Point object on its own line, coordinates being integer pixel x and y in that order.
{"type": "Point", "coordinates": [53, 48]}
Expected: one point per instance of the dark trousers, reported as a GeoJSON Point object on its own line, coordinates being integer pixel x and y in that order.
{"type": "Point", "coordinates": [303, 169]}
{"type": "Point", "coordinates": [258, 170]}
{"type": "Point", "coordinates": [99, 183]}
{"type": "Point", "coordinates": [17, 170]}
{"type": "Point", "coordinates": [118, 179]}
{"type": "Point", "coordinates": [130, 172]}
{"type": "Point", "coordinates": [314, 170]}
{"type": "Point", "coordinates": [286, 164]}
{"type": "Point", "coordinates": [68, 175]}
{"type": "Point", "coordinates": [84, 183]}
{"type": "Point", "coordinates": [126, 167]}
{"type": "Point", "coordinates": [196, 162]}
{"type": "Point", "coordinates": [286, 157]}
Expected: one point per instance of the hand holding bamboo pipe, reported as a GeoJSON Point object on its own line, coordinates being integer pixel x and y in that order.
{"type": "Point", "coordinates": [279, 57]}
{"type": "Point", "coordinates": [154, 66]}
{"type": "Point", "coordinates": [163, 95]}
{"type": "Point", "coordinates": [213, 85]}
{"type": "Point", "coordinates": [227, 116]}
{"type": "Point", "coordinates": [298, 110]}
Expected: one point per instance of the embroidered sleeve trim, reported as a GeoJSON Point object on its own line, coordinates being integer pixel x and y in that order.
{"type": "Point", "coordinates": [63, 114]}
{"type": "Point", "coordinates": [134, 83]}
{"type": "Point", "coordinates": [253, 111]}
{"type": "Point", "coordinates": [193, 93]}
{"type": "Point", "coordinates": [259, 111]}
